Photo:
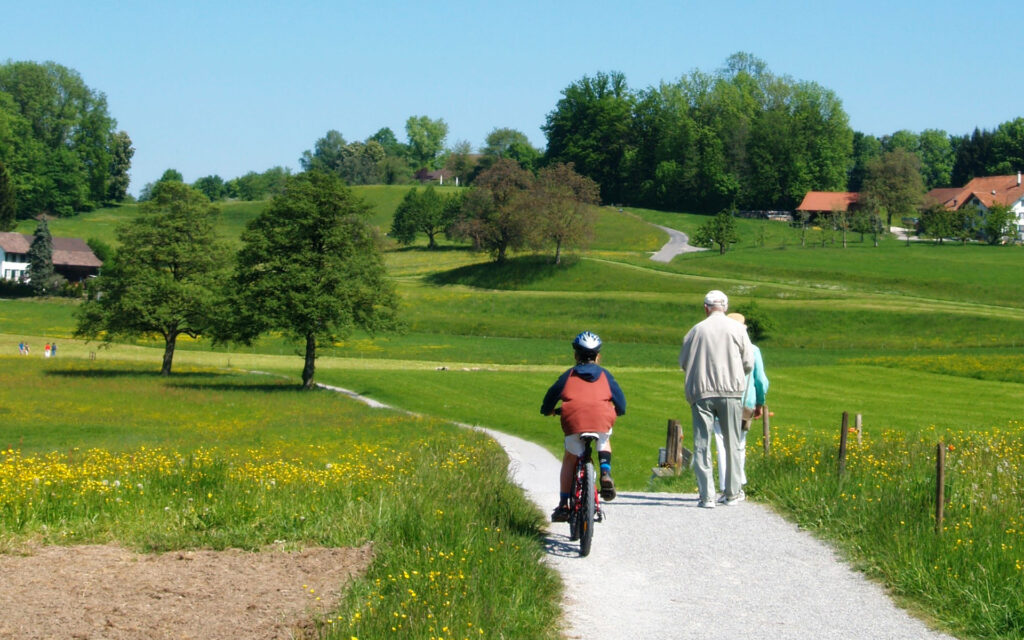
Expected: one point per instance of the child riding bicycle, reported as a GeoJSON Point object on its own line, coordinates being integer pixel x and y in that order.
{"type": "Point", "coordinates": [591, 401]}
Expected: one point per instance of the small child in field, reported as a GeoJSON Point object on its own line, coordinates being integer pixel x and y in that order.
{"type": "Point", "coordinates": [591, 401]}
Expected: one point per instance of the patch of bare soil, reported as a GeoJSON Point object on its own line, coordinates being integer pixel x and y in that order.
{"type": "Point", "coordinates": [106, 591]}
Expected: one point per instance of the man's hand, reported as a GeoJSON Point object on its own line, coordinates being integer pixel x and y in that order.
{"type": "Point", "coordinates": [758, 411]}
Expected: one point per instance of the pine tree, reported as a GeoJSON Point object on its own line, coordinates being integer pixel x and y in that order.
{"type": "Point", "coordinates": [40, 258]}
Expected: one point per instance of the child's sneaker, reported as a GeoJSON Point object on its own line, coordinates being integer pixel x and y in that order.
{"type": "Point", "coordinates": [607, 487]}
{"type": "Point", "coordinates": [560, 514]}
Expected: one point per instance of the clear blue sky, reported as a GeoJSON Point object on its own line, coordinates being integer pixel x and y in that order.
{"type": "Point", "coordinates": [228, 87]}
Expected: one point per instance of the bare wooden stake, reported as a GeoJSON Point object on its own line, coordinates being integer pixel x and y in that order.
{"type": "Point", "coordinates": [842, 442]}
{"type": "Point", "coordinates": [860, 428]}
{"type": "Point", "coordinates": [940, 486]}
{"type": "Point", "coordinates": [767, 433]}
{"type": "Point", "coordinates": [673, 447]}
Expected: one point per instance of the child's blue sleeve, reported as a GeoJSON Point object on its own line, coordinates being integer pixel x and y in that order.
{"type": "Point", "coordinates": [554, 394]}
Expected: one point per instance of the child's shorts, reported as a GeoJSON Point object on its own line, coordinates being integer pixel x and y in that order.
{"type": "Point", "coordinates": [574, 444]}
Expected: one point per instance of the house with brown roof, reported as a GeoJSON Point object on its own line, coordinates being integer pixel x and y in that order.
{"type": "Point", "coordinates": [984, 193]}
{"type": "Point", "coordinates": [819, 203]}
{"type": "Point", "coordinates": [72, 257]}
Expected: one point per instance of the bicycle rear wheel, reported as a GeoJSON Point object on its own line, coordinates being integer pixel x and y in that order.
{"type": "Point", "coordinates": [585, 527]}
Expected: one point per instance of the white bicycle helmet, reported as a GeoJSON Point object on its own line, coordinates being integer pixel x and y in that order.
{"type": "Point", "coordinates": [587, 341]}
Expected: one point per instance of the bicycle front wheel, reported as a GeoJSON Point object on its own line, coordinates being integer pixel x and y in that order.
{"type": "Point", "coordinates": [585, 527]}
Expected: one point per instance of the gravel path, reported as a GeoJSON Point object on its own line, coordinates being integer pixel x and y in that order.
{"type": "Point", "coordinates": [661, 568]}
{"type": "Point", "coordinates": [678, 242]}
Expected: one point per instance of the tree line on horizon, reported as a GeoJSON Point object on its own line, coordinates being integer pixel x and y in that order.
{"type": "Point", "coordinates": [742, 137]}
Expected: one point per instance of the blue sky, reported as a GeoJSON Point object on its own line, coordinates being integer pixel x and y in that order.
{"type": "Point", "coordinates": [229, 87]}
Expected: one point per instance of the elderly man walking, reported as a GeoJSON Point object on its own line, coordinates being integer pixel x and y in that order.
{"type": "Point", "coordinates": [717, 356]}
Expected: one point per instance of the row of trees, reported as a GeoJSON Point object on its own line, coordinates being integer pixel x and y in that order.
{"type": "Point", "coordinates": [745, 138]}
{"type": "Point", "coordinates": [507, 209]}
{"type": "Point", "coordinates": [60, 150]}
{"type": "Point", "coordinates": [310, 267]}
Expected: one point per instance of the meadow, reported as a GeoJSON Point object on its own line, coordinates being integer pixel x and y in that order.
{"type": "Point", "coordinates": [922, 340]}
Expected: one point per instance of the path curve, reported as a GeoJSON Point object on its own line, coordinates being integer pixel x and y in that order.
{"type": "Point", "coordinates": [678, 242]}
{"type": "Point", "coordinates": [662, 569]}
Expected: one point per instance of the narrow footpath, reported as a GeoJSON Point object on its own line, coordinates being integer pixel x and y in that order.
{"type": "Point", "coordinates": [660, 568]}
{"type": "Point", "coordinates": [678, 242]}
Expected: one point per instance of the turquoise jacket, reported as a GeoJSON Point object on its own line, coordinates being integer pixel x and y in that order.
{"type": "Point", "coordinates": [757, 383]}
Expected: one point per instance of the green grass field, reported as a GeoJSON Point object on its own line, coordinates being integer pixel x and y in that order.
{"type": "Point", "coordinates": [923, 341]}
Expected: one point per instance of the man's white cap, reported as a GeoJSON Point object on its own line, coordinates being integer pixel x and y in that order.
{"type": "Point", "coordinates": [716, 298]}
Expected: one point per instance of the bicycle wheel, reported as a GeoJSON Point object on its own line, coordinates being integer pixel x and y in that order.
{"type": "Point", "coordinates": [576, 502]}
{"type": "Point", "coordinates": [586, 513]}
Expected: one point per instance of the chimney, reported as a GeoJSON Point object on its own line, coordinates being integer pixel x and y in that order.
{"type": "Point", "coordinates": [1018, 178]}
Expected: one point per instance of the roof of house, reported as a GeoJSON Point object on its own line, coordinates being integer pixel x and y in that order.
{"type": "Point", "coordinates": [69, 252]}
{"type": "Point", "coordinates": [828, 201]}
{"type": "Point", "coordinates": [988, 190]}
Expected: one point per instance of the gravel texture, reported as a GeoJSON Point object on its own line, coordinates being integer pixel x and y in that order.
{"type": "Point", "coordinates": [661, 568]}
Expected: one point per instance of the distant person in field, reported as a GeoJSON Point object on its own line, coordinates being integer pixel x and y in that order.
{"type": "Point", "coordinates": [46, 350]}
{"type": "Point", "coordinates": [591, 401]}
{"type": "Point", "coordinates": [53, 349]}
{"type": "Point", "coordinates": [717, 356]}
{"type": "Point", "coordinates": [753, 408]}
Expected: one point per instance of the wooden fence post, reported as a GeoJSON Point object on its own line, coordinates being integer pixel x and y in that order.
{"type": "Point", "coordinates": [940, 486]}
{"type": "Point", "coordinates": [767, 431]}
{"type": "Point", "coordinates": [673, 447]}
{"type": "Point", "coordinates": [842, 442]}
{"type": "Point", "coordinates": [860, 428]}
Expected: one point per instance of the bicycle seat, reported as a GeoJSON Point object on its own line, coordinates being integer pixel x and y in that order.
{"type": "Point", "coordinates": [589, 435]}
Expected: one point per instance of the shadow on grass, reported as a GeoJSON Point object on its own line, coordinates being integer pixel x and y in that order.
{"type": "Point", "coordinates": [263, 387]}
{"type": "Point", "coordinates": [511, 274]}
{"type": "Point", "coordinates": [125, 372]}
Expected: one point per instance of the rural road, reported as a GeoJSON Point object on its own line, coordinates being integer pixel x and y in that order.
{"type": "Point", "coordinates": [661, 568]}
{"type": "Point", "coordinates": [678, 242]}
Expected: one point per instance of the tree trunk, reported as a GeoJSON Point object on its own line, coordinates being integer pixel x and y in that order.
{"type": "Point", "coordinates": [430, 241]}
{"type": "Point", "coordinates": [310, 366]}
{"type": "Point", "coordinates": [844, 237]}
{"type": "Point", "coordinates": [558, 252]}
{"type": "Point", "coordinates": [169, 342]}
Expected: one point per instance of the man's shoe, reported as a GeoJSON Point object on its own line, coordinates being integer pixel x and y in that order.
{"type": "Point", "coordinates": [607, 487]}
{"type": "Point", "coordinates": [738, 498]}
{"type": "Point", "coordinates": [721, 498]}
{"type": "Point", "coordinates": [706, 504]}
{"type": "Point", "coordinates": [560, 514]}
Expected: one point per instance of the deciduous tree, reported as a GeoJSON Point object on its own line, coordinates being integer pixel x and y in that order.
{"type": "Point", "coordinates": [424, 212]}
{"type": "Point", "coordinates": [997, 223]}
{"type": "Point", "coordinates": [893, 184]}
{"type": "Point", "coordinates": [8, 202]}
{"type": "Point", "coordinates": [565, 200]}
{"type": "Point", "coordinates": [426, 140]}
{"type": "Point", "coordinates": [497, 215]}
{"type": "Point", "coordinates": [310, 267]}
{"type": "Point", "coordinates": [719, 230]}
{"type": "Point", "coordinates": [166, 277]}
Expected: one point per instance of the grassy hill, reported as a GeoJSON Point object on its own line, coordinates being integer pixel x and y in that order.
{"type": "Point", "coordinates": [922, 340]}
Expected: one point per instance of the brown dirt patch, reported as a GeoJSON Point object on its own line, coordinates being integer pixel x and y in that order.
{"type": "Point", "coordinates": [106, 591]}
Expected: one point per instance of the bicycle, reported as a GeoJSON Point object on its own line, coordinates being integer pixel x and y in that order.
{"type": "Point", "coordinates": [584, 503]}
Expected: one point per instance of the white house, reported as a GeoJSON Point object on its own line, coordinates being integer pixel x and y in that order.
{"type": "Point", "coordinates": [72, 257]}
{"type": "Point", "coordinates": [985, 192]}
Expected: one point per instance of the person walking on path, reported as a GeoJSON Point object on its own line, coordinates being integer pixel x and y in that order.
{"type": "Point", "coordinates": [753, 408]}
{"type": "Point", "coordinates": [716, 355]}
